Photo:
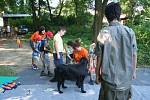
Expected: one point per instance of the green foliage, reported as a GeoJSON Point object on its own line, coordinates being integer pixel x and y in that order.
{"type": "Point", "coordinates": [22, 21]}
{"type": "Point", "coordinates": [78, 20]}
{"type": "Point", "coordinates": [143, 41]}
{"type": "Point", "coordinates": [82, 32]}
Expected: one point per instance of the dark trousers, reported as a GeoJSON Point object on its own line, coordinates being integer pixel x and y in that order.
{"type": "Point", "coordinates": [107, 93]}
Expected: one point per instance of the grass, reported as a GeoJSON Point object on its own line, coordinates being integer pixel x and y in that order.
{"type": "Point", "coordinates": [8, 71]}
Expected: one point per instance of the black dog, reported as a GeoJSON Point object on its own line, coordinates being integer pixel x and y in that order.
{"type": "Point", "coordinates": [74, 72]}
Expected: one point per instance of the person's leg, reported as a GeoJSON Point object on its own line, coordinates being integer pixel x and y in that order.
{"type": "Point", "coordinates": [32, 45]}
{"type": "Point", "coordinates": [60, 61]}
{"type": "Point", "coordinates": [90, 71]}
{"type": "Point", "coordinates": [91, 81]}
{"type": "Point", "coordinates": [106, 93]}
{"type": "Point", "coordinates": [67, 60]}
{"type": "Point", "coordinates": [55, 63]}
{"type": "Point", "coordinates": [33, 62]}
{"type": "Point", "coordinates": [35, 59]}
{"type": "Point", "coordinates": [47, 63]}
{"type": "Point", "coordinates": [42, 56]}
{"type": "Point", "coordinates": [123, 95]}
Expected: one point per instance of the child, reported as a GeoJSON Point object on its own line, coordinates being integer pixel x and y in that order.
{"type": "Point", "coordinates": [19, 43]}
{"type": "Point", "coordinates": [36, 52]}
{"type": "Point", "coordinates": [92, 62]}
{"type": "Point", "coordinates": [69, 51]}
{"type": "Point", "coordinates": [45, 50]}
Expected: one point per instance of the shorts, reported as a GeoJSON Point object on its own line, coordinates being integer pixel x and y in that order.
{"type": "Point", "coordinates": [46, 59]}
{"type": "Point", "coordinates": [35, 56]}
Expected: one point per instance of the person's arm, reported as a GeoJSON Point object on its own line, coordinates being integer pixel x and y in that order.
{"type": "Point", "coordinates": [99, 49]}
{"type": "Point", "coordinates": [98, 70]}
{"type": "Point", "coordinates": [134, 44]}
{"type": "Point", "coordinates": [134, 65]}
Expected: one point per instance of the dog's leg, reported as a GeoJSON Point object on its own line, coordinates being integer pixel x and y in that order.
{"type": "Point", "coordinates": [77, 83]}
{"type": "Point", "coordinates": [58, 87]}
{"type": "Point", "coordinates": [82, 84]}
{"type": "Point", "coordinates": [63, 84]}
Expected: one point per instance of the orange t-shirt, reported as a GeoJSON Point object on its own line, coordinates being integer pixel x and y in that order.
{"type": "Point", "coordinates": [35, 36]}
{"type": "Point", "coordinates": [77, 55]}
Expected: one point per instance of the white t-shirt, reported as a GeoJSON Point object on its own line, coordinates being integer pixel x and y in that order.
{"type": "Point", "coordinates": [57, 38]}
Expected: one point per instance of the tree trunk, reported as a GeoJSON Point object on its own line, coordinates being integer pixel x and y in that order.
{"type": "Point", "coordinates": [39, 8]}
{"type": "Point", "coordinates": [61, 7]}
{"type": "Point", "coordinates": [34, 18]}
{"type": "Point", "coordinates": [98, 18]}
{"type": "Point", "coordinates": [76, 7]}
{"type": "Point", "coordinates": [49, 8]}
{"type": "Point", "coordinates": [76, 2]}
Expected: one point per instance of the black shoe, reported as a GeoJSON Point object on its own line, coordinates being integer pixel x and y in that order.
{"type": "Point", "coordinates": [49, 74]}
{"type": "Point", "coordinates": [43, 74]}
{"type": "Point", "coordinates": [53, 80]}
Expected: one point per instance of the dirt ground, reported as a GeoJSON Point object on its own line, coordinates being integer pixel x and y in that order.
{"type": "Point", "coordinates": [10, 54]}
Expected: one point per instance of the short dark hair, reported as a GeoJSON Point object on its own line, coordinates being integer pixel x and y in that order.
{"type": "Point", "coordinates": [113, 11]}
{"type": "Point", "coordinates": [76, 43]}
{"type": "Point", "coordinates": [62, 28]}
{"type": "Point", "coordinates": [41, 29]}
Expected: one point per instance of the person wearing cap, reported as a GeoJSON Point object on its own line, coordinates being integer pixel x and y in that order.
{"type": "Point", "coordinates": [33, 40]}
{"type": "Point", "coordinates": [45, 50]}
{"type": "Point", "coordinates": [116, 51]}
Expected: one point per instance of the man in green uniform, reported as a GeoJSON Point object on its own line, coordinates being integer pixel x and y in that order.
{"type": "Point", "coordinates": [116, 50]}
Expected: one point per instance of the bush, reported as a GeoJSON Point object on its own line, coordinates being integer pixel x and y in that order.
{"type": "Point", "coordinates": [143, 42]}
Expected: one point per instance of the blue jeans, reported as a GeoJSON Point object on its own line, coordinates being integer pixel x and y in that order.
{"type": "Point", "coordinates": [56, 60]}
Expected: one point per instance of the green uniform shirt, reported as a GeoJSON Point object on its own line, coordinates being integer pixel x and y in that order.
{"type": "Point", "coordinates": [116, 46]}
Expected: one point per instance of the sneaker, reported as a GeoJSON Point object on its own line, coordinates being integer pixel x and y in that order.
{"type": "Point", "coordinates": [34, 67]}
{"type": "Point", "coordinates": [53, 79]}
{"type": "Point", "coordinates": [49, 74]}
{"type": "Point", "coordinates": [43, 74]}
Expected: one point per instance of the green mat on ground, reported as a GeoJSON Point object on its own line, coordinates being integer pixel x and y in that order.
{"type": "Point", "coordinates": [6, 79]}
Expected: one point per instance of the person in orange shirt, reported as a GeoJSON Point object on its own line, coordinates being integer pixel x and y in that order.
{"type": "Point", "coordinates": [35, 35]}
{"type": "Point", "coordinates": [79, 52]}
{"type": "Point", "coordinates": [33, 40]}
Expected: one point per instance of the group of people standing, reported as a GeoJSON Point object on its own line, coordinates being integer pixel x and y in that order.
{"type": "Point", "coordinates": [39, 42]}
{"type": "Point", "coordinates": [115, 53]}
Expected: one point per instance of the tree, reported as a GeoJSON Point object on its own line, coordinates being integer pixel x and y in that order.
{"type": "Point", "coordinates": [99, 14]}
{"type": "Point", "coordinates": [34, 17]}
{"type": "Point", "coordinates": [61, 3]}
{"type": "Point", "coordinates": [49, 8]}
